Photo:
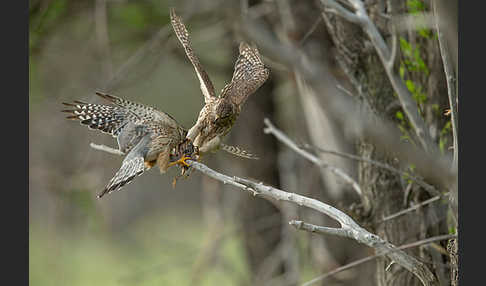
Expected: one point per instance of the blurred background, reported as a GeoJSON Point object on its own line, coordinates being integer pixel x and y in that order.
{"type": "Point", "coordinates": [201, 232]}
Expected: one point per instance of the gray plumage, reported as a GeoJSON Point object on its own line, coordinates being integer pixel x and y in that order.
{"type": "Point", "coordinates": [146, 135]}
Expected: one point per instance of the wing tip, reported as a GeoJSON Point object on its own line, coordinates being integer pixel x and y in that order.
{"type": "Point", "coordinates": [247, 46]}
{"type": "Point", "coordinates": [243, 46]}
{"type": "Point", "coordinates": [172, 12]}
{"type": "Point", "coordinates": [102, 193]}
{"type": "Point", "coordinates": [106, 96]}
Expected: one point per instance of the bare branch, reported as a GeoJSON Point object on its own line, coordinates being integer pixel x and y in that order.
{"type": "Point", "coordinates": [337, 9]}
{"type": "Point", "coordinates": [356, 120]}
{"type": "Point", "coordinates": [271, 129]}
{"type": "Point", "coordinates": [417, 180]}
{"type": "Point", "coordinates": [311, 30]}
{"type": "Point", "coordinates": [424, 203]}
{"type": "Point", "coordinates": [354, 231]}
{"type": "Point", "coordinates": [394, 42]}
{"type": "Point", "coordinates": [450, 79]}
{"type": "Point", "coordinates": [298, 224]}
{"type": "Point", "coordinates": [452, 94]}
{"type": "Point", "coordinates": [408, 103]}
{"type": "Point", "coordinates": [369, 258]}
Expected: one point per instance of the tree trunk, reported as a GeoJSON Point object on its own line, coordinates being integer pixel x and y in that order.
{"type": "Point", "coordinates": [387, 192]}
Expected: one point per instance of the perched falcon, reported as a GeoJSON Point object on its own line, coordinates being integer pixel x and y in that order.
{"type": "Point", "coordinates": [220, 113]}
{"type": "Point", "coordinates": [147, 136]}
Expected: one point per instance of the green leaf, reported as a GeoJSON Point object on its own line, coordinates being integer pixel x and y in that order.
{"type": "Point", "coordinates": [410, 85]}
{"type": "Point", "coordinates": [399, 115]}
{"type": "Point", "coordinates": [405, 46]}
{"type": "Point", "coordinates": [446, 128]}
{"type": "Point", "coordinates": [415, 6]}
{"type": "Point", "coordinates": [452, 230]}
{"type": "Point", "coordinates": [402, 71]}
{"type": "Point", "coordinates": [424, 33]}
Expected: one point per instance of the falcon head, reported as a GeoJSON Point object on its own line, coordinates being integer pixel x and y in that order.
{"type": "Point", "coordinates": [224, 113]}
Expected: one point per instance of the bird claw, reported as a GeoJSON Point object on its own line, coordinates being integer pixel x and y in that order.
{"type": "Point", "coordinates": [181, 161]}
{"type": "Point", "coordinates": [184, 173]}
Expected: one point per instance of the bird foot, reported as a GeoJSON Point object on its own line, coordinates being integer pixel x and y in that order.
{"type": "Point", "coordinates": [184, 174]}
{"type": "Point", "coordinates": [181, 161]}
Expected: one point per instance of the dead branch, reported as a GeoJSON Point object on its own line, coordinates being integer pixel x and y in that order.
{"type": "Point", "coordinates": [360, 17]}
{"type": "Point", "coordinates": [412, 208]}
{"type": "Point", "coordinates": [452, 95]}
{"type": "Point", "coordinates": [356, 120]}
{"type": "Point", "coordinates": [349, 228]}
{"type": "Point", "coordinates": [369, 258]}
{"type": "Point", "coordinates": [450, 79]}
{"type": "Point", "coordinates": [271, 129]}
{"type": "Point", "coordinates": [417, 180]}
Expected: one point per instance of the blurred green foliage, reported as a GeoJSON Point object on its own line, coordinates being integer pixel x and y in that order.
{"type": "Point", "coordinates": [42, 19]}
{"type": "Point", "coordinates": [155, 250]}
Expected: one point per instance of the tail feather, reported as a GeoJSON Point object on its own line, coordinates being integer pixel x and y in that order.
{"type": "Point", "coordinates": [129, 170]}
{"type": "Point", "coordinates": [106, 118]}
{"type": "Point", "coordinates": [237, 151]}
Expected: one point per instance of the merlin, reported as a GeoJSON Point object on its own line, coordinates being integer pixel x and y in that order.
{"type": "Point", "coordinates": [220, 112]}
{"type": "Point", "coordinates": [147, 136]}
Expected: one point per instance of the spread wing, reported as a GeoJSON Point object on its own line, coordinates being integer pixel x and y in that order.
{"type": "Point", "coordinates": [125, 120]}
{"type": "Point", "coordinates": [132, 166]}
{"type": "Point", "coordinates": [139, 112]}
{"type": "Point", "coordinates": [183, 36]}
{"type": "Point", "coordinates": [105, 118]}
{"type": "Point", "coordinates": [249, 74]}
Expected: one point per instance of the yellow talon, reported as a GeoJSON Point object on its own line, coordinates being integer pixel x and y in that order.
{"type": "Point", "coordinates": [181, 161]}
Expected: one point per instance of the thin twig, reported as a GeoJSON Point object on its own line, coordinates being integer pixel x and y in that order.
{"type": "Point", "coordinates": [271, 129]}
{"type": "Point", "coordinates": [340, 87]}
{"type": "Point", "coordinates": [348, 225]}
{"type": "Point", "coordinates": [394, 42]}
{"type": "Point", "coordinates": [298, 224]}
{"type": "Point", "coordinates": [311, 30]}
{"type": "Point", "coordinates": [452, 95]}
{"type": "Point", "coordinates": [409, 105]}
{"type": "Point", "coordinates": [419, 181]}
{"type": "Point", "coordinates": [450, 80]}
{"type": "Point", "coordinates": [424, 203]}
{"type": "Point", "coordinates": [356, 122]}
{"type": "Point", "coordinates": [336, 8]}
{"type": "Point", "coordinates": [369, 258]}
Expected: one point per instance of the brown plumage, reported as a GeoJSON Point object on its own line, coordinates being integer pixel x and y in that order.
{"type": "Point", "coordinates": [220, 113]}
{"type": "Point", "coordinates": [147, 136]}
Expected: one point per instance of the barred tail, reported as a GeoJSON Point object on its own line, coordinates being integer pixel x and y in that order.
{"type": "Point", "coordinates": [237, 151]}
{"type": "Point", "coordinates": [106, 118]}
{"type": "Point", "coordinates": [129, 170]}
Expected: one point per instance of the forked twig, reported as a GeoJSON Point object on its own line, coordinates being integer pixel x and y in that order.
{"type": "Point", "coordinates": [271, 129]}
{"type": "Point", "coordinates": [310, 227]}
{"type": "Point", "coordinates": [349, 228]}
{"type": "Point", "coordinates": [360, 17]}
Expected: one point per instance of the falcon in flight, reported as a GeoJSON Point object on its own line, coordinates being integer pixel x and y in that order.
{"type": "Point", "coordinates": [220, 112]}
{"type": "Point", "coordinates": [147, 136]}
